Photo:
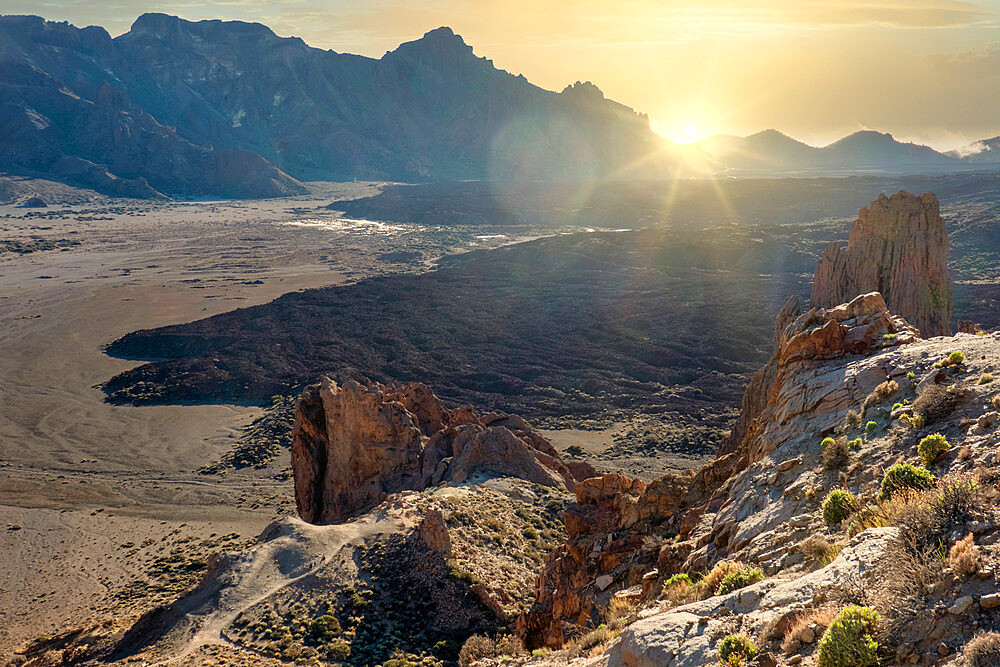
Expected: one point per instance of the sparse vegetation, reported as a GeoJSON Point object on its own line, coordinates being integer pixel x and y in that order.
{"type": "Point", "coordinates": [931, 447]}
{"type": "Point", "coordinates": [850, 639]}
{"type": "Point", "coordinates": [985, 378]}
{"type": "Point", "coordinates": [839, 505]}
{"type": "Point", "coordinates": [853, 419]}
{"type": "Point", "coordinates": [904, 476]}
{"type": "Point", "coordinates": [739, 647]}
{"type": "Point", "coordinates": [871, 427]}
{"type": "Point", "coordinates": [955, 358]}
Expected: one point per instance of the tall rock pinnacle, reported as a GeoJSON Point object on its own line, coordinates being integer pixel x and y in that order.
{"type": "Point", "coordinates": [899, 247]}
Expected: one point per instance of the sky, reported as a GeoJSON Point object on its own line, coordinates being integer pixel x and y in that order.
{"type": "Point", "coordinates": [924, 70]}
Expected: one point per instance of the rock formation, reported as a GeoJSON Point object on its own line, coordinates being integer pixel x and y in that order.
{"type": "Point", "coordinates": [615, 529]}
{"type": "Point", "coordinates": [899, 247]}
{"type": "Point", "coordinates": [353, 444]}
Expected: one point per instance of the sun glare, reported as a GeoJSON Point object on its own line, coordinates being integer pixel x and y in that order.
{"type": "Point", "coordinates": [691, 130]}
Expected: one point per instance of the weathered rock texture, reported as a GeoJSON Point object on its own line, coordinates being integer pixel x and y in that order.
{"type": "Point", "coordinates": [616, 527]}
{"type": "Point", "coordinates": [352, 445]}
{"type": "Point", "coordinates": [899, 247]}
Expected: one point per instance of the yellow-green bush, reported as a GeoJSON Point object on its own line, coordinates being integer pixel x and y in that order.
{"type": "Point", "coordinates": [931, 447]}
{"type": "Point", "coordinates": [839, 505]}
{"type": "Point", "coordinates": [905, 476]}
{"type": "Point", "coordinates": [736, 650]}
{"type": "Point", "coordinates": [850, 639]}
{"type": "Point", "coordinates": [739, 579]}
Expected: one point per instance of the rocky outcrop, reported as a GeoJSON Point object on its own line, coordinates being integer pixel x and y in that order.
{"type": "Point", "coordinates": [352, 445]}
{"type": "Point", "coordinates": [615, 529]}
{"type": "Point", "coordinates": [898, 247]}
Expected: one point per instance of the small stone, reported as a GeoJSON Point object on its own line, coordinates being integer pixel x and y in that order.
{"type": "Point", "coordinates": [790, 463]}
{"type": "Point", "coordinates": [961, 605]}
{"type": "Point", "coordinates": [943, 649]}
{"type": "Point", "coordinates": [793, 647]}
{"type": "Point", "coordinates": [604, 581]}
{"type": "Point", "coordinates": [795, 659]}
{"type": "Point", "coordinates": [991, 601]}
{"type": "Point", "coordinates": [807, 636]}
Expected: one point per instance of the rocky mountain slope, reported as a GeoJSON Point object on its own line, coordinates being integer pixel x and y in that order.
{"type": "Point", "coordinates": [231, 109]}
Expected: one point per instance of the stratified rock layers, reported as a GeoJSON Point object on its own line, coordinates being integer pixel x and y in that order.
{"type": "Point", "coordinates": [898, 247]}
{"type": "Point", "coordinates": [352, 445]}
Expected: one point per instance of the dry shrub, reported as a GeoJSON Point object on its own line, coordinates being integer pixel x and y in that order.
{"type": "Point", "coordinates": [621, 611]}
{"type": "Point", "coordinates": [710, 583]}
{"type": "Point", "coordinates": [823, 617]}
{"type": "Point", "coordinates": [963, 558]}
{"type": "Point", "coordinates": [682, 592]}
{"type": "Point", "coordinates": [476, 648]}
{"type": "Point", "coordinates": [584, 643]}
{"type": "Point", "coordinates": [836, 455]}
{"type": "Point", "coordinates": [936, 403]}
{"type": "Point", "coordinates": [995, 402]}
{"type": "Point", "coordinates": [983, 650]}
{"type": "Point", "coordinates": [881, 394]}
{"type": "Point", "coordinates": [957, 500]}
{"type": "Point", "coordinates": [853, 419]}
{"type": "Point", "coordinates": [509, 645]}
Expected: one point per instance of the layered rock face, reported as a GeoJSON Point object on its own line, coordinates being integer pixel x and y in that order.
{"type": "Point", "coordinates": [352, 445]}
{"type": "Point", "coordinates": [898, 247]}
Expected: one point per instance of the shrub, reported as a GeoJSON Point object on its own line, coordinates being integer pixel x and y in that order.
{"type": "Point", "coordinates": [916, 422]}
{"type": "Point", "coordinates": [910, 375]}
{"type": "Point", "coordinates": [740, 579]}
{"type": "Point", "coordinates": [476, 648]}
{"type": "Point", "coordinates": [936, 403]}
{"type": "Point", "coordinates": [963, 558]}
{"type": "Point", "coordinates": [819, 549]}
{"type": "Point", "coordinates": [905, 476]}
{"type": "Point", "coordinates": [881, 394]}
{"type": "Point", "coordinates": [710, 582]}
{"type": "Point", "coordinates": [739, 646]}
{"type": "Point", "coordinates": [855, 444]}
{"type": "Point", "coordinates": [677, 579]}
{"type": "Point", "coordinates": [853, 419]}
{"type": "Point", "coordinates": [839, 505]}
{"type": "Point", "coordinates": [958, 500]}
{"type": "Point", "coordinates": [871, 427]}
{"type": "Point", "coordinates": [836, 454]}
{"type": "Point", "coordinates": [985, 378]}
{"type": "Point", "coordinates": [955, 358]}
{"type": "Point", "coordinates": [827, 442]}
{"type": "Point", "coordinates": [995, 402]}
{"type": "Point", "coordinates": [983, 650]}
{"type": "Point", "coordinates": [850, 640]}
{"type": "Point", "coordinates": [931, 447]}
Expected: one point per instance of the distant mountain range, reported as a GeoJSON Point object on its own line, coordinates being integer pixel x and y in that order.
{"type": "Point", "coordinates": [229, 109]}
{"type": "Point", "coordinates": [771, 152]}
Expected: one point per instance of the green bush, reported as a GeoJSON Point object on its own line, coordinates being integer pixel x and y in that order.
{"type": "Point", "coordinates": [850, 640]}
{"type": "Point", "coordinates": [827, 442]}
{"type": "Point", "coordinates": [839, 505]}
{"type": "Point", "coordinates": [683, 577]}
{"type": "Point", "coordinates": [956, 357]}
{"type": "Point", "coordinates": [737, 580]}
{"type": "Point", "coordinates": [871, 427]}
{"type": "Point", "coordinates": [931, 447]}
{"type": "Point", "coordinates": [905, 476]}
{"type": "Point", "coordinates": [855, 444]}
{"type": "Point", "coordinates": [985, 378]}
{"type": "Point", "coordinates": [736, 646]}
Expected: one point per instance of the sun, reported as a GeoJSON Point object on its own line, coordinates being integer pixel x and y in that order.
{"type": "Point", "coordinates": [691, 130]}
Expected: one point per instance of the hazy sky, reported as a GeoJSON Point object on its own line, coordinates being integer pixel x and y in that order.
{"type": "Point", "coordinates": [925, 70]}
